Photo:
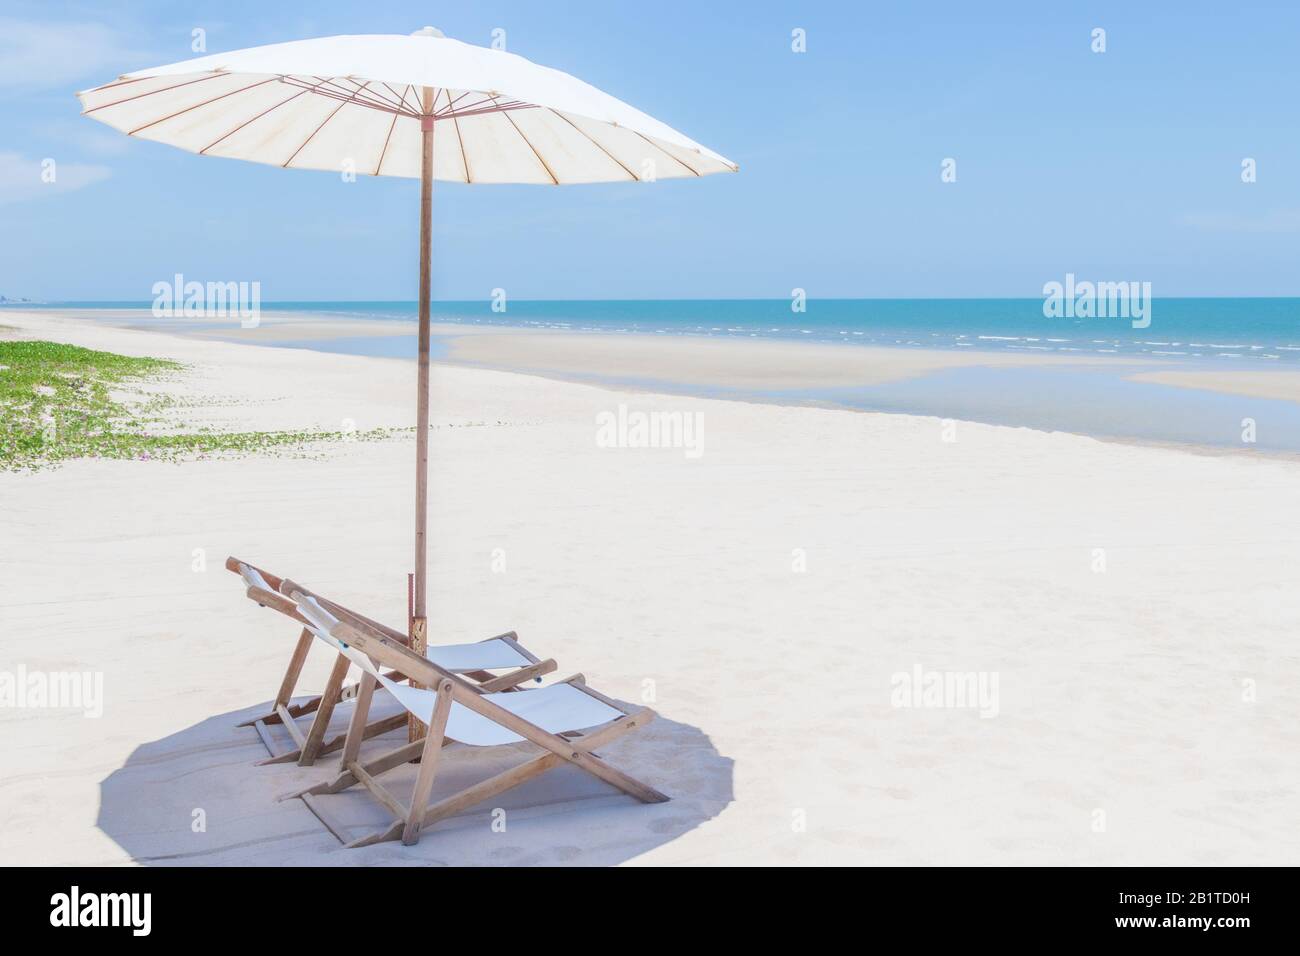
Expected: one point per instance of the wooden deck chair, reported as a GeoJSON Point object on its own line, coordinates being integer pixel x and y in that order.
{"type": "Point", "coordinates": [567, 720]}
{"type": "Point", "coordinates": [475, 661]}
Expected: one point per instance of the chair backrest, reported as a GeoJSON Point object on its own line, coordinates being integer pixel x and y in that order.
{"type": "Point", "coordinates": [378, 646]}
{"type": "Point", "coordinates": [267, 590]}
{"type": "Point", "coordinates": [321, 623]}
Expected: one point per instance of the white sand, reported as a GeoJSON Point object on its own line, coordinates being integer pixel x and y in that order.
{"type": "Point", "coordinates": [1120, 692]}
{"type": "Point", "coordinates": [1282, 384]}
{"type": "Point", "coordinates": [742, 363]}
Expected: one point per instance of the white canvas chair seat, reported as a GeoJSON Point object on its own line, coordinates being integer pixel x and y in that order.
{"type": "Point", "coordinates": [557, 709]}
{"type": "Point", "coordinates": [490, 655]}
{"type": "Point", "coordinates": [476, 661]}
{"type": "Point", "coordinates": [568, 721]}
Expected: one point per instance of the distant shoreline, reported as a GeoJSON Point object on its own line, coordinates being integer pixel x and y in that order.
{"type": "Point", "coordinates": [1182, 402]}
{"type": "Point", "coordinates": [1256, 332]}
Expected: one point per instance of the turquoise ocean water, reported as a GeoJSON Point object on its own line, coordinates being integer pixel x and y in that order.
{"type": "Point", "coordinates": [1250, 328]}
{"type": "Point", "coordinates": [1257, 334]}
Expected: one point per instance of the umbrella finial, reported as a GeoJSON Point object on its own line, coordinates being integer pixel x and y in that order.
{"type": "Point", "coordinates": [428, 32]}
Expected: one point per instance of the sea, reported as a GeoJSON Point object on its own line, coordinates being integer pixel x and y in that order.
{"type": "Point", "coordinates": [1240, 334]}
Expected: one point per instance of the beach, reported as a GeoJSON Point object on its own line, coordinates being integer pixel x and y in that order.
{"type": "Point", "coordinates": [774, 592]}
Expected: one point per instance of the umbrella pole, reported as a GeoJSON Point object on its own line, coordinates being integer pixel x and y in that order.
{"type": "Point", "coordinates": [419, 619]}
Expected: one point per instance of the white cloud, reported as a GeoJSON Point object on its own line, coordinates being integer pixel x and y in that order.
{"type": "Point", "coordinates": [22, 178]}
{"type": "Point", "coordinates": [51, 55]}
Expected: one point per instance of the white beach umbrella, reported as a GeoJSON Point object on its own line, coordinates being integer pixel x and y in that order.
{"type": "Point", "coordinates": [358, 102]}
{"type": "Point", "coordinates": [416, 106]}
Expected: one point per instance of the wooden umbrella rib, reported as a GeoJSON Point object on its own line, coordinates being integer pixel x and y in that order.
{"type": "Point", "coordinates": [382, 106]}
{"type": "Point", "coordinates": [668, 154]}
{"type": "Point", "coordinates": [285, 164]}
{"type": "Point", "coordinates": [452, 103]}
{"type": "Point", "coordinates": [460, 140]}
{"type": "Point", "coordinates": [164, 119]}
{"type": "Point", "coordinates": [373, 93]}
{"type": "Point", "coordinates": [401, 97]}
{"type": "Point", "coordinates": [415, 110]}
{"type": "Point", "coordinates": [251, 120]}
{"type": "Point", "coordinates": [343, 97]}
{"type": "Point", "coordinates": [384, 152]}
{"type": "Point", "coordinates": [338, 93]}
{"type": "Point", "coordinates": [478, 109]}
{"type": "Point", "coordinates": [550, 172]}
{"type": "Point", "coordinates": [370, 98]}
{"type": "Point", "coordinates": [464, 156]}
{"type": "Point", "coordinates": [165, 89]}
{"type": "Point", "coordinates": [555, 112]}
{"type": "Point", "coordinates": [451, 107]}
{"type": "Point", "coordinates": [122, 81]}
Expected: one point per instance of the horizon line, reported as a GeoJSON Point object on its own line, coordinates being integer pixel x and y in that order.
{"type": "Point", "coordinates": [4, 301]}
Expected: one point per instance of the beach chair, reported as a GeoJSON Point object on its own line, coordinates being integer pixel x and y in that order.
{"type": "Point", "coordinates": [566, 720]}
{"type": "Point", "coordinates": [475, 661]}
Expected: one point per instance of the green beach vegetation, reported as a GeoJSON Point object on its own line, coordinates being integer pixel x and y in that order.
{"type": "Point", "coordinates": [59, 402]}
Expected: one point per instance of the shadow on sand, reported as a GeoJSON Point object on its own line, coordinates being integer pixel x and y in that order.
{"type": "Point", "coordinates": [196, 797]}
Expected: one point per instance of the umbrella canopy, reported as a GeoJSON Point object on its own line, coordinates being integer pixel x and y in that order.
{"type": "Point", "coordinates": [421, 106]}
{"type": "Point", "coordinates": [355, 102]}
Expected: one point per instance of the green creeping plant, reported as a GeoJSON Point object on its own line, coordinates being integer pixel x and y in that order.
{"type": "Point", "coordinates": [59, 402]}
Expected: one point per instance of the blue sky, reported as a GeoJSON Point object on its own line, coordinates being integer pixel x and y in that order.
{"type": "Point", "coordinates": [1121, 165]}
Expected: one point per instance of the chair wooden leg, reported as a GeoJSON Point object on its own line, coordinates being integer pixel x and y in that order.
{"type": "Point", "coordinates": [283, 696]}
{"type": "Point", "coordinates": [579, 752]}
{"type": "Point", "coordinates": [267, 742]}
{"type": "Point", "coordinates": [506, 780]}
{"type": "Point", "coordinates": [325, 817]}
{"type": "Point", "coordinates": [509, 779]}
{"type": "Point", "coordinates": [357, 728]}
{"type": "Point", "coordinates": [382, 726]}
{"type": "Point", "coordinates": [295, 668]}
{"type": "Point", "coordinates": [567, 750]}
{"type": "Point", "coordinates": [346, 779]}
{"type": "Point", "coordinates": [320, 723]}
{"type": "Point", "coordinates": [309, 706]}
{"type": "Point", "coordinates": [428, 764]}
